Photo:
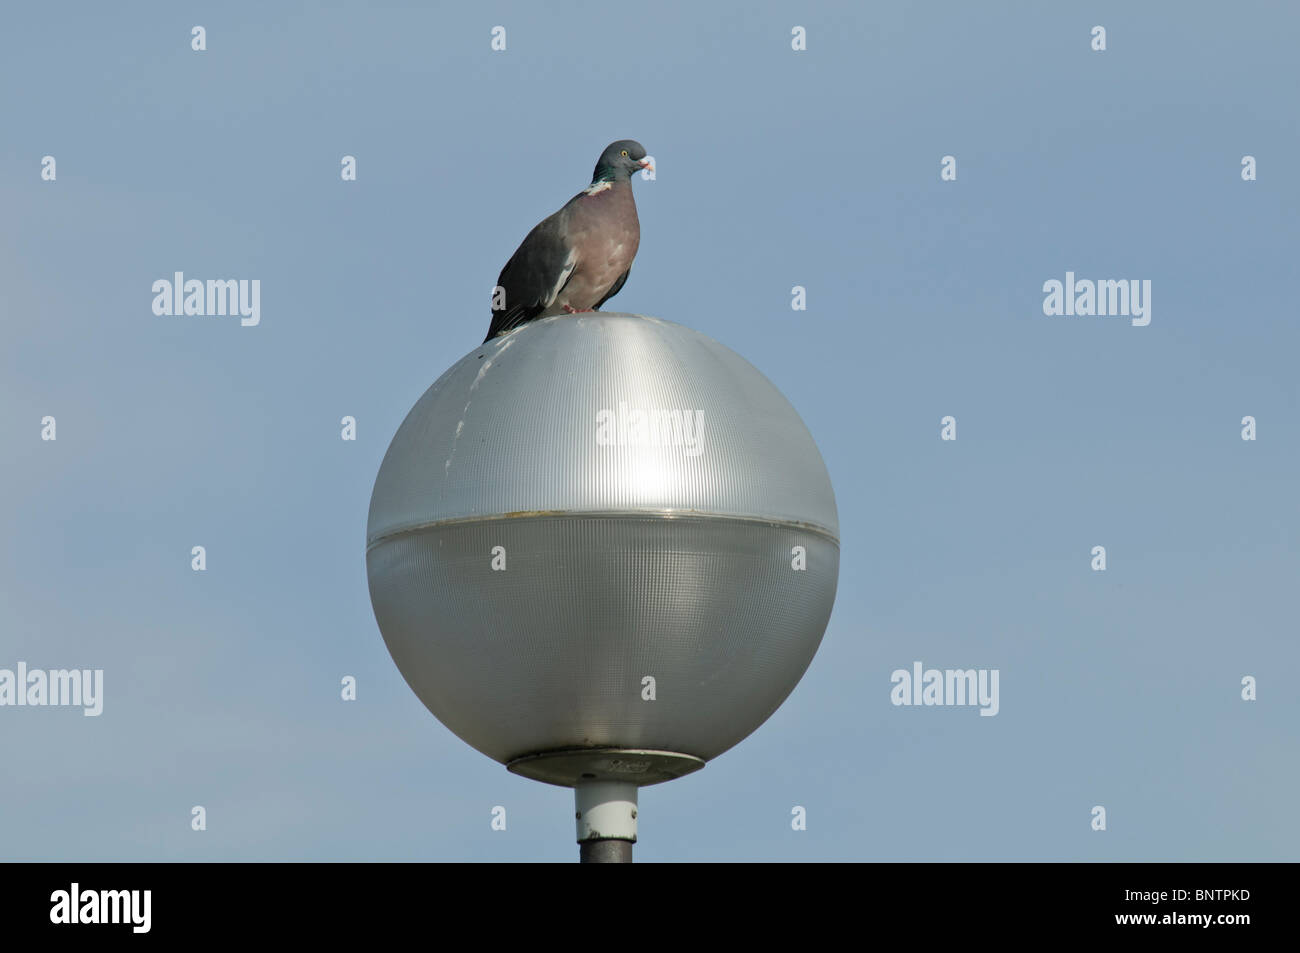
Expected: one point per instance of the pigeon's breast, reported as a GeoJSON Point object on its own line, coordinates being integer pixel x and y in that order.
{"type": "Point", "coordinates": [606, 235]}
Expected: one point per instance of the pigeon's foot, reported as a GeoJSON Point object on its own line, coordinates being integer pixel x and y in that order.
{"type": "Point", "coordinates": [569, 310]}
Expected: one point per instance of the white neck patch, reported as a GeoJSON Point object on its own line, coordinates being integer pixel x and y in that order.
{"type": "Point", "coordinates": [597, 187]}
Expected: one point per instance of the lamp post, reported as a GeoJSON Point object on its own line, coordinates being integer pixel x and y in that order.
{"type": "Point", "coordinates": [602, 550]}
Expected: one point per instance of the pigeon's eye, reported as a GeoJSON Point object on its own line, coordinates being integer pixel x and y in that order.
{"type": "Point", "coordinates": [624, 153]}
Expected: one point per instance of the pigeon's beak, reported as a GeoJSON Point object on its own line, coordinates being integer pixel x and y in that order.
{"type": "Point", "coordinates": [647, 164]}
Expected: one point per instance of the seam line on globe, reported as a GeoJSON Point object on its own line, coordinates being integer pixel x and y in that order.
{"type": "Point", "coordinates": [799, 525]}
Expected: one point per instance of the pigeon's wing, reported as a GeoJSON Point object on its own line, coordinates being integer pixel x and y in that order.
{"type": "Point", "coordinates": [535, 274]}
{"type": "Point", "coordinates": [615, 287]}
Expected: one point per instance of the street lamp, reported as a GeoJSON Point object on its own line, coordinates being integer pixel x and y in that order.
{"type": "Point", "coordinates": [602, 550]}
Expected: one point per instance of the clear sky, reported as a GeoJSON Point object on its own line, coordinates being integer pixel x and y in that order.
{"type": "Point", "coordinates": [819, 168]}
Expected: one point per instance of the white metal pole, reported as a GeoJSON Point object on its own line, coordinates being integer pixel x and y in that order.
{"type": "Point", "coordinates": [606, 815]}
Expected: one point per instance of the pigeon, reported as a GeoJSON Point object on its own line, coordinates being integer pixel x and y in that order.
{"type": "Point", "coordinates": [578, 258]}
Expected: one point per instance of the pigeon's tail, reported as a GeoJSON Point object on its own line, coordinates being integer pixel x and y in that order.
{"type": "Point", "coordinates": [511, 318]}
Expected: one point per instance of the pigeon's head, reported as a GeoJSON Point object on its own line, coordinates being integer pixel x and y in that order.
{"type": "Point", "coordinates": [619, 160]}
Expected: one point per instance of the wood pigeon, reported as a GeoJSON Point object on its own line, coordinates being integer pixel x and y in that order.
{"type": "Point", "coordinates": [578, 258]}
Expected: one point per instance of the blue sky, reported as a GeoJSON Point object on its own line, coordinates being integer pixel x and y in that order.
{"type": "Point", "coordinates": [776, 168]}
